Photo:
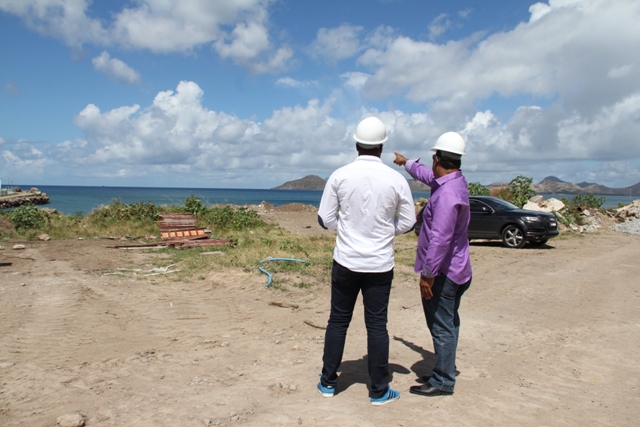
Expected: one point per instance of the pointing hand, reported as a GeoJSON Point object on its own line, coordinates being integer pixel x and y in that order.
{"type": "Point", "coordinates": [400, 159]}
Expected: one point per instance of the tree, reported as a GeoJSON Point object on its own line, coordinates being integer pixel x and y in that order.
{"type": "Point", "coordinates": [521, 191]}
{"type": "Point", "coordinates": [477, 189]}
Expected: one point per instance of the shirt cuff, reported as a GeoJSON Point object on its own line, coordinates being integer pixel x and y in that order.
{"type": "Point", "coordinates": [426, 272]}
{"type": "Point", "coordinates": [409, 164]}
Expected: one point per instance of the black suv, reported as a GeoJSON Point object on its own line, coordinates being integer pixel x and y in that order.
{"type": "Point", "coordinates": [494, 218]}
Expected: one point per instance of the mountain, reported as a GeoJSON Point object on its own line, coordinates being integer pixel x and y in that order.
{"type": "Point", "coordinates": [554, 185]}
{"type": "Point", "coordinates": [309, 182]}
{"type": "Point", "coordinates": [549, 185]}
{"type": "Point", "coordinates": [314, 182]}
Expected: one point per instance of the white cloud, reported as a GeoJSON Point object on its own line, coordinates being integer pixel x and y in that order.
{"type": "Point", "coordinates": [438, 26]}
{"type": "Point", "coordinates": [115, 68]}
{"type": "Point", "coordinates": [176, 129]}
{"type": "Point", "coordinates": [63, 19]}
{"type": "Point", "coordinates": [336, 44]}
{"type": "Point", "coordinates": [293, 83]}
{"type": "Point", "coordinates": [247, 41]}
{"type": "Point", "coordinates": [162, 26]}
{"type": "Point", "coordinates": [355, 80]}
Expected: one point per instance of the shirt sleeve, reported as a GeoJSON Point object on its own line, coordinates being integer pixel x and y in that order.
{"type": "Point", "coordinates": [445, 214]}
{"type": "Point", "coordinates": [420, 172]}
{"type": "Point", "coordinates": [328, 210]}
{"type": "Point", "coordinates": [405, 212]}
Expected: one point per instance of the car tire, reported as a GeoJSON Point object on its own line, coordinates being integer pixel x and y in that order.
{"type": "Point", "coordinates": [539, 242]}
{"type": "Point", "coordinates": [513, 237]}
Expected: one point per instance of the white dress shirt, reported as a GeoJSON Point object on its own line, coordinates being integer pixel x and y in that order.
{"type": "Point", "coordinates": [368, 204]}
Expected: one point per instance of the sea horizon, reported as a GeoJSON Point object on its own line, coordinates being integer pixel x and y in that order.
{"type": "Point", "coordinates": [70, 200]}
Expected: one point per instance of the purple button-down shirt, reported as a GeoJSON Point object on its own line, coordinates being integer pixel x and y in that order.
{"type": "Point", "coordinates": [443, 245]}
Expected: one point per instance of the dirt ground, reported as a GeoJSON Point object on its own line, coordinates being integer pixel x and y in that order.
{"type": "Point", "coordinates": [550, 337]}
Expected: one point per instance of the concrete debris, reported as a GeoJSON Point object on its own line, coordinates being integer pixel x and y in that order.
{"type": "Point", "coordinates": [71, 420]}
{"type": "Point", "coordinates": [536, 203]}
{"type": "Point", "coordinates": [631, 211]}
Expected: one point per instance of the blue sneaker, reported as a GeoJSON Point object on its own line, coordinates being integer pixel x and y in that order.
{"type": "Point", "coordinates": [390, 396]}
{"type": "Point", "coordinates": [325, 391]}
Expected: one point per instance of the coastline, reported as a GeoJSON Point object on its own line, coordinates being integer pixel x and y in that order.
{"type": "Point", "coordinates": [72, 199]}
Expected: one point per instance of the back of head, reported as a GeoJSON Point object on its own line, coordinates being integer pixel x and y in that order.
{"type": "Point", "coordinates": [370, 133]}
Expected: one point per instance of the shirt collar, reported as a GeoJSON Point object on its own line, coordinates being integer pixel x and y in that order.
{"type": "Point", "coordinates": [365, 158]}
{"type": "Point", "coordinates": [448, 177]}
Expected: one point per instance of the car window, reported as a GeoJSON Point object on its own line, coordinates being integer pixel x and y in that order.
{"type": "Point", "coordinates": [502, 205]}
{"type": "Point", "coordinates": [476, 206]}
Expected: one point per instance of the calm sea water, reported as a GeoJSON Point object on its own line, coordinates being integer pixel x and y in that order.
{"type": "Point", "coordinates": [69, 200]}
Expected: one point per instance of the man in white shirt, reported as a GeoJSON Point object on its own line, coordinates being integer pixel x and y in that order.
{"type": "Point", "coordinates": [368, 204]}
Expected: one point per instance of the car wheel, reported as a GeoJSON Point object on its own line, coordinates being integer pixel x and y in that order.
{"type": "Point", "coordinates": [539, 242]}
{"type": "Point", "coordinates": [513, 237]}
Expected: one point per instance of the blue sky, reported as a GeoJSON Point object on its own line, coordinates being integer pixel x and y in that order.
{"type": "Point", "coordinates": [253, 93]}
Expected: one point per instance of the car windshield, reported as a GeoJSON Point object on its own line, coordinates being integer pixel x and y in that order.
{"type": "Point", "coordinates": [502, 205]}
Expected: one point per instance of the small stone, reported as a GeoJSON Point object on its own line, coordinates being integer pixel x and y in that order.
{"type": "Point", "coordinates": [44, 237]}
{"type": "Point", "coordinates": [18, 247]}
{"type": "Point", "coordinates": [71, 420]}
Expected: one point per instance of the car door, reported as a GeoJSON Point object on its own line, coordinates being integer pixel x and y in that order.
{"type": "Point", "coordinates": [483, 223]}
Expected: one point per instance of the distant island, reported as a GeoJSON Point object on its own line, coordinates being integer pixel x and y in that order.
{"type": "Point", "coordinates": [549, 185]}
{"type": "Point", "coordinates": [314, 182]}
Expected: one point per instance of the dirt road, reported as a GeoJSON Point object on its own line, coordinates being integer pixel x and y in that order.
{"type": "Point", "coordinates": [550, 337]}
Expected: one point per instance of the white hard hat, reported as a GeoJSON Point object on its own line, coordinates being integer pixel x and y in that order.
{"type": "Point", "coordinates": [451, 142]}
{"type": "Point", "coordinates": [370, 133]}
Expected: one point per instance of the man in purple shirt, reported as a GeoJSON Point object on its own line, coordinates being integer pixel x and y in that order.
{"type": "Point", "coordinates": [442, 257]}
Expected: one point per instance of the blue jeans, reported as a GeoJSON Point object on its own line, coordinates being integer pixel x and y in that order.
{"type": "Point", "coordinates": [345, 287]}
{"type": "Point", "coordinates": [443, 321]}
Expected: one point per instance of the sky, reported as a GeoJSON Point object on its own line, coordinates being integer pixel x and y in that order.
{"type": "Point", "coordinates": [254, 93]}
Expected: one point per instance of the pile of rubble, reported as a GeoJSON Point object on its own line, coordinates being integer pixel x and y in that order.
{"type": "Point", "coordinates": [626, 219]}
{"type": "Point", "coordinates": [631, 216]}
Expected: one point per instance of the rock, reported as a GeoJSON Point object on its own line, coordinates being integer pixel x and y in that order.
{"type": "Point", "coordinates": [549, 205]}
{"type": "Point", "coordinates": [630, 211]}
{"type": "Point", "coordinates": [536, 199]}
{"type": "Point", "coordinates": [71, 420]}
{"type": "Point", "coordinates": [1, 248]}
{"type": "Point", "coordinates": [532, 206]}
{"type": "Point", "coordinates": [18, 247]}
{"type": "Point", "coordinates": [44, 237]}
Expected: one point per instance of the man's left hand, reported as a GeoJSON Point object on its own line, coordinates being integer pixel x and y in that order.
{"type": "Point", "coordinates": [426, 283]}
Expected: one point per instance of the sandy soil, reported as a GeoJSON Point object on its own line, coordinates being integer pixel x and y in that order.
{"type": "Point", "coordinates": [550, 337]}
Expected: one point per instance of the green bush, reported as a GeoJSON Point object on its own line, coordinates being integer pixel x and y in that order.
{"type": "Point", "coordinates": [573, 208]}
{"type": "Point", "coordinates": [194, 206]}
{"type": "Point", "coordinates": [477, 189]}
{"type": "Point", "coordinates": [28, 217]}
{"type": "Point", "coordinates": [228, 218]}
{"type": "Point", "coordinates": [520, 190]}
{"type": "Point", "coordinates": [118, 212]}
{"type": "Point", "coordinates": [588, 201]}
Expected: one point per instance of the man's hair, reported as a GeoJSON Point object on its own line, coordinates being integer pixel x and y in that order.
{"type": "Point", "coordinates": [448, 163]}
{"type": "Point", "coordinates": [368, 151]}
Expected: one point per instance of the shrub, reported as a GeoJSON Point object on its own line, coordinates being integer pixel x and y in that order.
{"type": "Point", "coordinates": [574, 207]}
{"type": "Point", "coordinates": [477, 189]}
{"type": "Point", "coordinates": [194, 206]}
{"type": "Point", "coordinates": [28, 217]}
{"type": "Point", "coordinates": [520, 190]}
{"type": "Point", "coordinates": [228, 218]}
{"type": "Point", "coordinates": [117, 212]}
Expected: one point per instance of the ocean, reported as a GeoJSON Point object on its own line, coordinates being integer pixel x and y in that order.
{"type": "Point", "coordinates": [73, 199]}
